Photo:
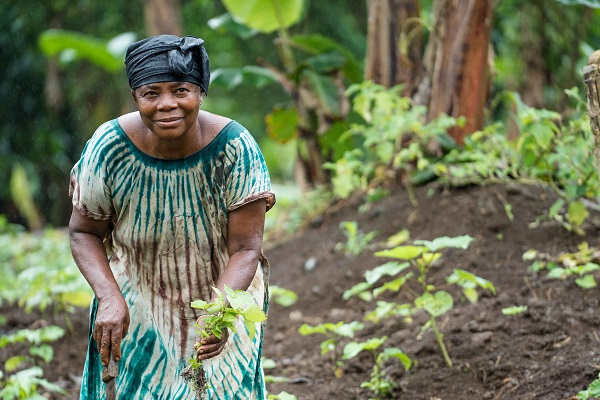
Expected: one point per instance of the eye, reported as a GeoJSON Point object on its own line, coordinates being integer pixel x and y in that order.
{"type": "Point", "coordinates": [149, 94]}
{"type": "Point", "coordinates": [181, 90]}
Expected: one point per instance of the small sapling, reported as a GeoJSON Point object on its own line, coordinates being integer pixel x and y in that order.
{"type": "Point", "coordinates": [221, 315]}
{"type": "Point", "coordinates": [334, 333]}
{"type": "Point", "coordinates": [420, 257]}
{"type": "Point", "coordinates": [380, 383]}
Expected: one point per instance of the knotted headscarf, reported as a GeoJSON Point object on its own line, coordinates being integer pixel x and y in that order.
{"type": "Point", "coordinates": [168, 58]}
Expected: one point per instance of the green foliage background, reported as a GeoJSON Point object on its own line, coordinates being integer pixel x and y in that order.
{"type": "Point", "coordinates": [46, 141]}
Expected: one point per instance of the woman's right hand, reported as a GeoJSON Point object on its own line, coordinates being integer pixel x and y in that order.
{"type": "Point", "coordinates": [111, 325]}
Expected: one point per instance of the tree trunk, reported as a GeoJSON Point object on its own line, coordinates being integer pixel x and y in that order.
{"type": "Point", "coordinates": [535, 72]}
{"type": "Point", "coordinates": [393, 43]}
{"type": "Point", "coordinates": [591, 79]}
{"type": "Point", "coordinates": [456, 63]}
{"type": "Point", "coordinates": [163, 17]}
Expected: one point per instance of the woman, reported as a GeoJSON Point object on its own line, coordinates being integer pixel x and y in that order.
{"type": "Point", "coordinates": [178, 196]}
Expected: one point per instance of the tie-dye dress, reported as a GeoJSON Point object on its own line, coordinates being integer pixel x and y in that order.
{"type": "Point", "coordinates": [168, 246]}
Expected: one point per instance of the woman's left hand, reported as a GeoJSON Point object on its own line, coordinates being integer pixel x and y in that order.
{"type": "Point", "coordinates": [211, 346]}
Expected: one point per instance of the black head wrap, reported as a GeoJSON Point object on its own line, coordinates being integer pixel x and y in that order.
{"type": "Point", "coordinates": [168, 58]}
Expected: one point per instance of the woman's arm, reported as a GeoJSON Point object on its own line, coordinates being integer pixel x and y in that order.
{"type": "Point", "coordinates": [244, 245]}
{"type": "Point", "coordinates": [89, 253]}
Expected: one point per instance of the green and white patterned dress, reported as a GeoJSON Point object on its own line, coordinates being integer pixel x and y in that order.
{"type": "Point", "coordinates": [168, 247]}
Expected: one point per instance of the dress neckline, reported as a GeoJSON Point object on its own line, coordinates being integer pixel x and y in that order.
{"type": "Point", "coordinates": [172, 162]}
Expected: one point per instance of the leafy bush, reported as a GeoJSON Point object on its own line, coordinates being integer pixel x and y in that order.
{"type": "Point", "coordinates": [24, 384]}
{"type": "Point", "coordinates": [38, 271]}
{"type": "Point", "coordinates": [395, 140]}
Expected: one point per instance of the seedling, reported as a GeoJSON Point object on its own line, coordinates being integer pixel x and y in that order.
{"type": "Point", "coordinates": [380, 383]}
{"type": "Point", "coordinates": [281, 296]}
{"type": "Point", "coordinates": [25, 383]}
{"type": "Point", "coordinates": [514, 310]}
{"type": "Point", "coordinates": [282, 396]}
{"type": "Point", "coordinates": [356, 240]}
{"type": "Point", "coordinates": [221, 314]}
{"type": "Point", "coordinates": [334, 333]}
{"type": "Point", "coordinates": [419, 256]}
{"type": "Point", "coordinates": [592, 392]}
{"type": "Point", "coordinates": [579, 264]}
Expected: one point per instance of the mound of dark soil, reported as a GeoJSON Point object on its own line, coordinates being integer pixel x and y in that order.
{"type": "Point", "coordinates": [551, 351]}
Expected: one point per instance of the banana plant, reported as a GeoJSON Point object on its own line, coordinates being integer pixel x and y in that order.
{"type": "Point", "coordinates": [69, 46]}
{"type": "Point", "coordinates": [313, 71]}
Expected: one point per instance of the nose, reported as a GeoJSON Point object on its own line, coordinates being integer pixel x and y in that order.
{"type": "Point", "coordinates": [166, 102]}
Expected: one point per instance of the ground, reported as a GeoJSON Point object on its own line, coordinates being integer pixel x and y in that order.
{"type": "Point", "coordinates": [551, 351]}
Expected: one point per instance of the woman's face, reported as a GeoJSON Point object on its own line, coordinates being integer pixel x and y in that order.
{"type": "Point", "coordinates": [169, 109]}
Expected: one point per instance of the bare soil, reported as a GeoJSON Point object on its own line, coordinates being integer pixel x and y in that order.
{"type": "Point", "coordinates": [551, 351]}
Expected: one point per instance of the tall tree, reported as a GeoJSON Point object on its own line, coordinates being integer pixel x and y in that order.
{"type": "Point", "coordinates": [163, 17]}
{"type": "Point", "coordinates": [456, 63]}
{"type": "Point", "coordinates": [394, 43]}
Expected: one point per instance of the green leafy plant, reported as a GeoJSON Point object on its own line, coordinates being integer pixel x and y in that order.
{"type": "Point", "coordinates": [221, 315]}
{"type": "Point", "coordinates": [282, 396]}
{"type": "Point", "coordinates": [24, 384]}
{"type": "Point", "coordinates": [356, 241]}
{"type": "Point", "coordinates": [394, 139]}
{"type": "Point", "coordinates": [334, 333]}
{"type": "Point", "coordinates": [380, 383]}
{"type": "Point", "coordinates": [551, 151]}
{"type": "Point", "coordinates": [313, 71]}
{"type": "Point", "coordinates": [514, 310]}
{"type": "Point", "coordinates": [580, 265]}
{"type": "Point", "coordinates": [592, 392]}
{"type": "Point", "coordinates": [281, 296]}
{"type": "Point", "coordinates": [38, 271]}
{"type": "Point", "coordinates": [70, 46]}
{"type": "Point", "coordinates": [420, 257]}
{"type": "Point", "coordinates": [394, 135]}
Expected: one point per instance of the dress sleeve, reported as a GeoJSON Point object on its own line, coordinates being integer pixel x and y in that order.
{"type": "Point", "coordinates": [249, 178]}
{"type": "Point", "coordinates": [89, 189]}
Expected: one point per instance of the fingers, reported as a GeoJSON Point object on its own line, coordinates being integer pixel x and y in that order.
{"type": "Point", "coordinates": [212, 346]}
{"type": "Point", "coordinates": [115, 343]}
{"type": "Point", "coordinates": [104, 346]}
{"type": "Point", "coordinates": [212, 339]}
{"type": "Point", "coordinates": [125, 328]}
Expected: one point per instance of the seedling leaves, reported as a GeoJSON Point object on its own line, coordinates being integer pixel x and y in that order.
{"type": "Point", "coordinates": [436, 304]}
{"type": "Point", "coordinates": [394, 285]}
{"type": "Point", "coordinates": [514, 310]}
{"type": "Point", "coordinates": [402, 252]}
{"type": "Point", "coordinates": [391, 268]}
{"type": "Point", "coordinates": [398, 238]}
{"type": "Point", "coordinates": [393, 352]}
{"type": "Point", "coordinates": [360, 290]}
{"type": "Point", "coordinates": [586, 282]}
{"type": "Point", "coordinates": [283, 297]}
{"type": "Point", "coordinates": [352, 349]}
{"type": "Point", "coordinates": [459, 242]}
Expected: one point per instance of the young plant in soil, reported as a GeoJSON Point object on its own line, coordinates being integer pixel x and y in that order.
{"type": "Point", "coordinates": [356, 241]}
{"type": "Point", "coordinates": [592, 392]}
{"type": "Point", "coordinates": [221, 314]}
{"type": "Point", "coordinates": [380, 383]}
{"type": "Point", "coordinates": [25, 383]}
{"type": "Point", "coordinates": [335, 333]}
{"type": "Point", "coordinates": [580, 265]}
{"type": "Point", "coordinates": [421, 256]}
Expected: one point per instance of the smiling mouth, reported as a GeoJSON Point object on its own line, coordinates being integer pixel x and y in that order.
{"type": "Point", "coordinates": [168, 122]}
